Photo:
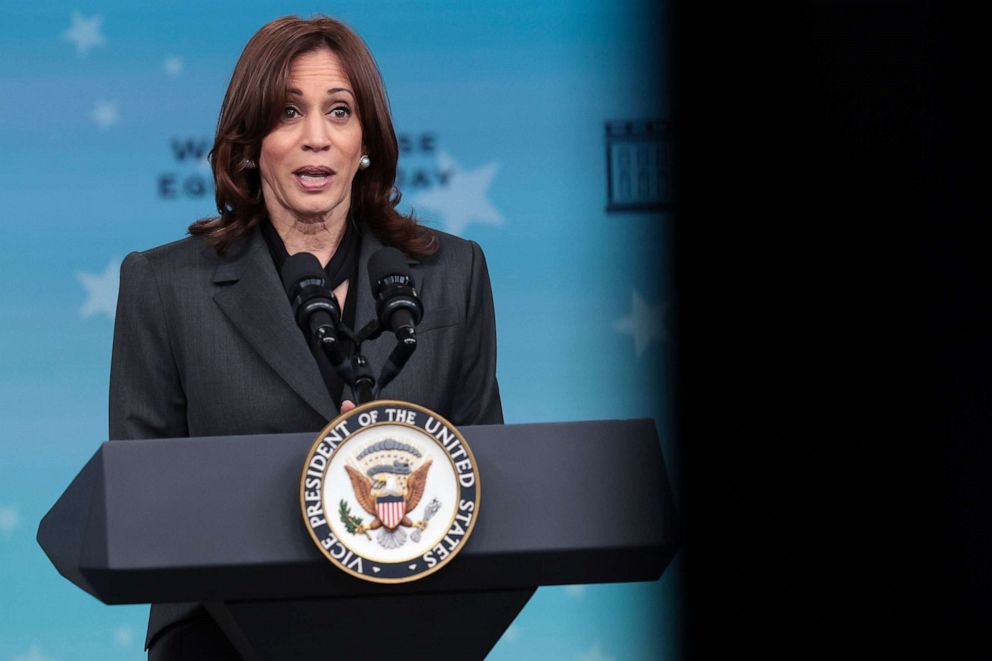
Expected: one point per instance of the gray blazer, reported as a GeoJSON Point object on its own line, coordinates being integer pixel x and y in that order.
{"type": "Point", "coordinates": [207, 345]}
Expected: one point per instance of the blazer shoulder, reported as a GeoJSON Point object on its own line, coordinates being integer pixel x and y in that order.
{"type": "Point", "coordinates": [454, 251]}
{"type": "Point", "coordinates": [191, 249]}
{"type": "Point", "coordinates": [185, 256]}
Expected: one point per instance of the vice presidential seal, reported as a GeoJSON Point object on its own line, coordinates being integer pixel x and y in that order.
{"type": "Point", "coordinates": [390, 492]}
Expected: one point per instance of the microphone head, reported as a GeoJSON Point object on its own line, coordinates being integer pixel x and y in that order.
{"type": "Point", "coordinates": [302, 266]}
{"type": "Point", "coordinates": [388, 263]}
{"type": "Point", "coordinates": [314, 306]}
{"type": "Point", "coordinates": [397, 304]}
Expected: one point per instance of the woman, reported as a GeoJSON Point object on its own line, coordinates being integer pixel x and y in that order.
{"type": "Point", "coordinates": [205, 341]}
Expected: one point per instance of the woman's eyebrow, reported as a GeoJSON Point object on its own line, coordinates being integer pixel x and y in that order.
{"type": "Point", "coordinates": [298, 92]}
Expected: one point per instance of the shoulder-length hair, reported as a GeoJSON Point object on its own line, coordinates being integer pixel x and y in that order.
{"type": "Point", "coordinates": [252, 106]}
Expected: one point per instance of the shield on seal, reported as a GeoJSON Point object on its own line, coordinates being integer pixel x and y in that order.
{"type": "Point", "coordinates": [390, 510]}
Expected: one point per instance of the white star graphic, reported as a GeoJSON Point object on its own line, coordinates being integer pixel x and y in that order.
{"type": "Point", "coordinates": [101, 290]}
{"type": "Point", "coordinates": [123, 636]}
{"type": "Point", "coordinates": [8, 519]}
{"type": "Point", "coordinates": [464, 200]}
{"type": "Point", "coordinates": [645, 323]}
{"type": "Point", "coordinates": [594, 653]}
{"type": "Point", "coordinates": [173, 66]}
{"type": "Point", "coordinates": [84, 33]}
{"type": "Point", "coordinates": [34, 654]}
{"type": "Point", "coordinates": [511, 635]}
{"type": "Point", "coordinates": [105, 114]}
{"type": "Point", "coordinates": [575, 591]}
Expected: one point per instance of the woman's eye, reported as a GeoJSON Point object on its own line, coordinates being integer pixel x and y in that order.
{"type": "Point", "coordinates": [341, 112]}
{"type": "Point", "coordinates": [289, 112]}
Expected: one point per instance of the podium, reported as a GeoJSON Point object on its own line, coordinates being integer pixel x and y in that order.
{"type": "Point", "coordinates": [217, 520]}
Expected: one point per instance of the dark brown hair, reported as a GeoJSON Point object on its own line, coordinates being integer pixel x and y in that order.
{"type": "Point", "coordinates": [251, 109]}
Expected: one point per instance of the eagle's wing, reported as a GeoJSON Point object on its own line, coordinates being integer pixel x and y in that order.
{"type": "Point", "coordinates": [415, 486]}
{"type": "Point", "coordinates": [363, 489]}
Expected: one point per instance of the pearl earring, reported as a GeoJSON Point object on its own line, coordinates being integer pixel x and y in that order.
{"type": "Point", "coordinates": [365, 162]}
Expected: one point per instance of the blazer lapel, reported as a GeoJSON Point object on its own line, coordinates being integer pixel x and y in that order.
{"type": "Point", "coordinates": [249, 292]}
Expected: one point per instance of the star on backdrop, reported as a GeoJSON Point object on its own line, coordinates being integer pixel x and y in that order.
{"type": "Point", "coordinates": [123, 636]}
{"type": "Point", "coordinates": [105, 114]}
{"type": "Point", "coordinates": [173, 66]}
{"type": "Point", "coordinates": [575, 591]}
{"type": "Point", "coordinates": [464, 200]}
{"type": "Point", "coordinates": [84, 33]}
{"type": "Point", "coordinates": [594, 653]}
{"type": "Point", "coordinates": [8, 519]}
{"type": "Point", "coordinates": [34, 654]}
{"type": "Point", "coordinates": [645, 323]}
{"type": "Point", "coordinates": [101, 290]}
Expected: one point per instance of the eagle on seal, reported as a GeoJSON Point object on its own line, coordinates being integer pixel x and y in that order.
{"type": "Point", "coordinates": [388, 491]}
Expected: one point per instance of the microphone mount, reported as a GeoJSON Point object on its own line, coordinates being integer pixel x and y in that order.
{"type": "Point", "coordinates": [358, 373]}
{"type": "Point", "coordinates": [318, 313]}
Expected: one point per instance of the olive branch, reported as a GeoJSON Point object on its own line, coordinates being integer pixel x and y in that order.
{"type": "Point", "coordinates": [350, 522]}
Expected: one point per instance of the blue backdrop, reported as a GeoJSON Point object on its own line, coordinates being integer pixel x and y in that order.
{"type": "Point", "coordinates": [106, 112]}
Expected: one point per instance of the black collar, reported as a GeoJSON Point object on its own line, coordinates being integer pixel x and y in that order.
{"type": "Point", "coordinates": [342, 264]}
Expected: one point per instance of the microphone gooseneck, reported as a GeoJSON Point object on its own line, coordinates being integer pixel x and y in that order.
{"type": "Point", "coordinates": [398, 305]}
{"type": "Point", "coordinates": [318, 313]}
{"type": "Point", "coordinates": [316, 309]}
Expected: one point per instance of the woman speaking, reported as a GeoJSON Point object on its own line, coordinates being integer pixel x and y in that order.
{"type": "Point", "coordinates": [206, 342]}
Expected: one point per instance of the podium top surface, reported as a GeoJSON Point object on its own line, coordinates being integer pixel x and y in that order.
{"type": "Point", "coordinates": [218, 518]}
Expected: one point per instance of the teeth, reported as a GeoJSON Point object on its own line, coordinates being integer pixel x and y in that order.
{"type": "Point", "coordinates": [311, 178]}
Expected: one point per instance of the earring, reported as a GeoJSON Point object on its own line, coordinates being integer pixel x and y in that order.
{"type": "Point", "coordinates": [248, 164]}
{"type": "Point", "coordinates": [364, 162]}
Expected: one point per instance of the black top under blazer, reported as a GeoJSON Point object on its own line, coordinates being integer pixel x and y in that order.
{"type": "Point", "coordinates": [207, 346]}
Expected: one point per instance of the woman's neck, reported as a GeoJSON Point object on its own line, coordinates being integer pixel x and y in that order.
{"type": "Point", "coordinates": [319, 236]}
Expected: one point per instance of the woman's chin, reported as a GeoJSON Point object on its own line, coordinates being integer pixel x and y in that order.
{"type": "Point", "coordinates": [316, 208]}
{"type": "Point", "coordinates": [311, 214]}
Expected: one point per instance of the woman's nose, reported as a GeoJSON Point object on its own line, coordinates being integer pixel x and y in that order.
{"type": "Point", "coordinates": [316, 136]}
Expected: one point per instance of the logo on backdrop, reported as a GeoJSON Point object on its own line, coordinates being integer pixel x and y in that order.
{"type": "Point", "coordinates": [436, 186]}
{"type": "Point", "coordinates": [390, 492]}
{"type": "Point", "coordinates": [440, 190]}
{"type": "Point", "coordinates": [638, 166]}
{"type": "Point", "coordinates": [192, 178]}
{"type": "Point", "coordinates": [418, 169]}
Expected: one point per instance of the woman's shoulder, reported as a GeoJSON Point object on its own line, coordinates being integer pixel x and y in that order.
{"type": "Point", "coordinates": [191, 252]}
{"type": "Point", "coordinates": [454, 252]}
{"type": "Point", "coordinates": [187, 260]}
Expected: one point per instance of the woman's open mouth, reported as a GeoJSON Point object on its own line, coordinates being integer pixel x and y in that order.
{"type": "Point", "coordinates": [313, 177]}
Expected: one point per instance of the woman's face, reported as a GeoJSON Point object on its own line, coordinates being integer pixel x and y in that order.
{"type": "Point", "coordinates": [308, 161]}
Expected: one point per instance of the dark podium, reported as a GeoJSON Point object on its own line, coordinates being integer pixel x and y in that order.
{"type": "Point", "coordinates": [217, 520]}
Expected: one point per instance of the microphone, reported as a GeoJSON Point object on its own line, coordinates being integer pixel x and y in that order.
{"type": "Point", "coordinates": [316, 309]}
{"type": "Point", "coordinates": [397, 304]}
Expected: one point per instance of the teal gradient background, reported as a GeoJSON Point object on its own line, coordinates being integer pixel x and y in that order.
{"type": "Point", "coordinates": [515, 95]}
